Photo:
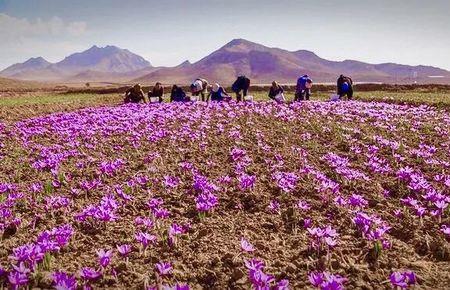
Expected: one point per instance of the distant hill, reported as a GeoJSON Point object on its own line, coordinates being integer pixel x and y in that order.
{"type": "Point", "coordinates": [264, 64]}
{"type": "Point", "coordinates": [99, 76]}
{"type": "Point", "coordinates": [10, 84]}
{"type": "Point", "coordinates": [33, 65]}
{"type": "Point", "coordinates": [106, 63]}
{"type": "Point", "coordinates": [103, 59]}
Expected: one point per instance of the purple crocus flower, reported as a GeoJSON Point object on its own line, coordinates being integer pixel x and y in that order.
{"type": "Point", "coordinates": [261, 280]}
{"type": "Point", "coordinates": [124, 250]}
{"type": "Point", "coordinates": [316, 278]}
{"type": "Point", "coordinates": [147, 222]}
{"type": "Point", "coordinates": [282, 285]}
{"type": "Point", "coordinates": [398, 280]}
{"type": "Point", "coordinates": [89, 274]}
{"type": "Point", "coordinates": [326, 280]}
{"type": "Point", "coordinates": [246, 246]}
{"type": "Point", "coordinates": [307, 223]}
{"type": "Point", "coordinates": [206, 202]}
{"type": "Point", "coordinates": [286, 181]}
{"type": "Point", "coordinates": [17, 279]}
{"type": "Point", "coordinates": [161, 213]}
{"type": "Point", "coordinates": [63, 281]}
{"type": "Point", "coordinates": [446, 230]}
{"type": "Point", "coordinates": [254, 264]}
{"type": "Point", "coordinates": [145, 238]}
{"type": "Point", "coordinates": [274, 207]}
{"type": "Point", "coordinates": [357, 200]}
{"type": "Point", "coordinates": [176, 229]}
{"type": "Point", "coordinates": [164, 268]}
{"type": "Point", "coordinates": [171, 181]}
{"type": "Point", "coordinates": [3, 272]}
{"type": "Point", "coordinates": [246, 181]}
{"type": "Point", "coordinates": [36, 187]}
{"type": "Point", "coordinates": [104, 257]}
{"type": "Point", "coordinates": [303, 205]}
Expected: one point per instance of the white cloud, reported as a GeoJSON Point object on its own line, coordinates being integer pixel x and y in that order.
{"type": "Point", "coordinates": [16, 27]}
{"type": "Point", "coordinates": [52, 38]}
{"type": "Point", "coordinates": [77, 28]}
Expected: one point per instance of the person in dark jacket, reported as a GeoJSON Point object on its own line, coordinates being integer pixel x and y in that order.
{"type": "Point", "coordinates": [275, 90]}
{"type": "Point", "coordinates": [178, 95]}
{"type": "Point", "coordinates": [345, 87]}
{"type": "Point", "coordinates": [303, 90]}
{"type": "Point", "coordinates": [157, 92]}
{"type": "Point", "coordinates": [241, 84]}
{"type": "Point", "coordinates": [134, 94]}
{"type": "Point", "coordinates": [200, 88]}
{"type": "Point", "coordinates": [218, 94]}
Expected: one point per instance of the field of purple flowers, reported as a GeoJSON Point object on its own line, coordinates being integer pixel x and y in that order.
{"type": "Point", "coordinates": [264, 195]}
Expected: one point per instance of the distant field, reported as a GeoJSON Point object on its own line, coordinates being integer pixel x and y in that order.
{"type": "Point", "coordinates": [19, 107]}
{"type": "Point", "coordinates": [14, 108]}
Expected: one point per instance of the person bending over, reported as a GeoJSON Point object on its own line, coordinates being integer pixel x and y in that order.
{"type": "Point", "coordinates": [157, 92]}
{"type": "Point", "coordinates": [241, 84]}
{"type": "Point", "coordinates": [345, 87]}
{"type": "Point", "coordinates": [199, 88]}
{"type": "Point", "coordinates": [303, 90]}
{"type": "Point", "coordinates": [276, 92]}
{"type": "Point", "coordinates": [134, 94]}
{"type": "Point", "coordinates": [178, 95]}
{"type": "Point", "coordinates": [218, 94]}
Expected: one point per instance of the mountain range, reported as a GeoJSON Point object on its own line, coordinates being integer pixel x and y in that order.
{"type": "Point", "coordinates": [261, 63]}
{"type": "Point", "coordinates": [101, 63]}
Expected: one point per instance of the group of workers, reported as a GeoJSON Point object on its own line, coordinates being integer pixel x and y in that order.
{"type": "Point", "coordinates": [199, 91]}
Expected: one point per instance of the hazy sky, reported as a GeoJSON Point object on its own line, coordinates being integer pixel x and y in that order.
{"type": "Point", "coordinates": [167, 32]}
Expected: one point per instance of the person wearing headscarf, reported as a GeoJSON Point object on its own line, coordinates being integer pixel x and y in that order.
{"type": "Point", "coordinates": [218, 94]}
{"type": "Point", "coordinates": [242, 84]}
{"type": "Point", "coordinates": [199, 88]}
{"type": "Point", "coordinates": [178, 95]}
{"type": "Point", "coordinates": [275, 90]}
{"type": "Point", "coordinates": [157, 92]}
{"type": "Point", "coordinates": [345, 87]}
{"type": "Point", "coordinates": [134, 94]}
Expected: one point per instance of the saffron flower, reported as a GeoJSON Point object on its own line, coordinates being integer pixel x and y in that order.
{"type": "Point", "coordinates": [303, 205]}
{"type": "Point", "coordinates": [89, 274]}
{"type": "Point", "coordinates": [403, 279]}
{"type": "Point", "coordinates": [17, 279]}
{"type": "Point", "coordinates": [63, 281]}
{"type": "Point", "coordinates": [171, 181]}
{"type": "Point", "coordinates": [104, 257]}
{"type": "Point", "coordinates": [246, 182]}
{"type": "Point", "coordinates": [446, 230]}
{"type": "Point", "coordinates": [246, 246]}
{"type": "Point", "coordinates": [145, 238]}
{"type": "Point", "coordinates": [164, 268]}
{"type": "Point", "coordinates": [124, 250]}
{"type": "Point", "coordinates": [326, 280]}
{"type": "Point", "coordinates": [274, 207]}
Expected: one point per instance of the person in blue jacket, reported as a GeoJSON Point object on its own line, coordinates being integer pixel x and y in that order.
{"type": "Point", "coordinates": [218, 94]}
{"type": "Point", "coordinates": [303, 90]}
{"type": "Point", "coordinates": [345, 87]}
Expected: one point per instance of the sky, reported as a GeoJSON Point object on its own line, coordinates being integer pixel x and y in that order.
{"type": "Point", "coordinates": [169, 32]}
